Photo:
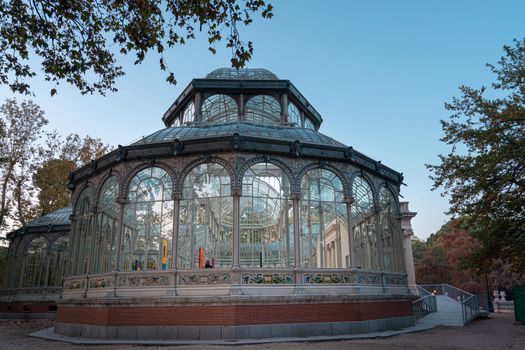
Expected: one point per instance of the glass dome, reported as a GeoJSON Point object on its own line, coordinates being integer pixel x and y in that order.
{"type": "Point", "coordinates": [242, 74]}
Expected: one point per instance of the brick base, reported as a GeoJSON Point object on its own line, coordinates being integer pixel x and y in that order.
{"type": "Point", "coordinates": [232, 315]}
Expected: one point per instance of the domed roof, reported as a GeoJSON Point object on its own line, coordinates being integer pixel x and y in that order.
{"type": "Point", "coordinates": [242, 74]}
{"type": "Point", "coordinates": [271, 132]}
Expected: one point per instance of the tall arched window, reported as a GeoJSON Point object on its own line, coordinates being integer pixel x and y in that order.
{"type": "Point", "coordinates": [14, 263]}
{"type": "Point", "coordinates": [323, 222]}
{"type": "Point", "coordinates": [57, 261]}
{"type": "Point", "coordinates": [148, 221]}
{"type": "Point", "coordinates": [36, 263]}
{"type": "Point", "coordinates": [294, 116]}
{"type": "Point", "coordinates": [106, 226]}
{"type": "Point", "coordinates": [82, 234]}
{"type": "Point", "coordinates": [363, 218]}
{"type": "Point", "coordinates": [205, 218]}
{"type": "Point", "coordinates": [219, 109]}
{"type": "Point", "coordinates": [266, 222]}
{"type": "Point", "coordinates": [189, 113]}
{"type": "Point", "coordinates": [390, 232]}
{"type": "Point", "coordinates": [263, 109]}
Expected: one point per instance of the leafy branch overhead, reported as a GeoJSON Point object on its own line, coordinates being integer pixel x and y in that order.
{"type": "Point", "coordinates": [78, 39]}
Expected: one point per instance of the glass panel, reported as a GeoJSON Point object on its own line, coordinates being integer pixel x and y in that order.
{"type": "Point", "coordinates": [364, 221]}
{"type": "Point", "coordinates": [36, 263]}
{"type": "Point", "coordinates": [219, 109]}
{"type": "Point", "coordinates": [148, 222]}
{"type": "Point", "coordinates": [266, 230]}
{"type": "Point", "coordinates": [308, 124]}
{"type": "Point", "coordinates": [58, 260]}
{"type": "Point", "coordinates": [82, 235]}
{"type": "Point", "coordinates": [294, 116]}
{"type": "Point", "coordinates": [323, 221]}
{"type": "Point", "coordinates": [390, 232]}
{"type": "Point", "coordinates": [263, 109]}
{"type": "Point", "coordinates": [189, 113]}
{"type": "Point", "coordinates": [205, 219]}
{"type": "Point", "coordinates": [107, 223]}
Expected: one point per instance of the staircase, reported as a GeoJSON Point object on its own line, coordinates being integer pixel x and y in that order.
{"type": "Point", "coordinates": [450, 306]}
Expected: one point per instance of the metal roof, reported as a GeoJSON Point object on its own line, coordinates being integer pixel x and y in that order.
{"type": "Point", "coordinates": [58, 217]}
{"type": "Point", "coordinates": [271, 132]}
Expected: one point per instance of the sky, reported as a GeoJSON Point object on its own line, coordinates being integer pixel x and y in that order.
{"type": "Point", "coordinates": [379, 73]}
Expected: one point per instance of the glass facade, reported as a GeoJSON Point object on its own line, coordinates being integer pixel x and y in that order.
{"type": "Point", "coordinates": [148, 221]}
{"type": "Point", "coordinates": [205, 218]}
{"type": "Point", "coordinates": [219, 109]}
{"type": "Point", "coordinates": [263, 109]}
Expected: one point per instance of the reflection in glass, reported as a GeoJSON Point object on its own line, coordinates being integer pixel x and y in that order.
{"type": "Point", "coordinates": [148, 221]}
{"type": "Point", "coordinates": [266, 222]}
{"type": "Point", "coordinates": [106, 225]}
{"type": "Point", "coordinates": [363, 219]}
{"type": "Point", "coordinates": [82, 235]}
{"type": "Point", "coordinates": [294, 116]}
{"type": "Point", "coordinates": [205, 218]}
{"type": "Point", "coordinates": [308, 124]}
{"type": "Point", "coordinates": [57, 261]}
{"type": "Point", "coordinates": [390, 231]}
{"type": "Point", "coordinates": [189, 113]}
{"type": "Point", "coordinates": [323, 221]}
{"type": "Point", "coordinates": [36, 263]}
{"type": "Point", "coordinates": [263, 109]}
{"type": "Point", "coordinates": [219, 109]}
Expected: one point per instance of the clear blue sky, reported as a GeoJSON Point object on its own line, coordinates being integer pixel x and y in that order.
{"type": "Point", "coordinates": [379, 73]}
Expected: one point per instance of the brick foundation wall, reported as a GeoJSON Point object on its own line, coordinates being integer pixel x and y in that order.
{"type": "Point", "coordinates": [232, 315]}
{"type": "Point", "coordinates": [31, 307]}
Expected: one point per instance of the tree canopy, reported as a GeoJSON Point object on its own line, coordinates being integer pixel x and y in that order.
{"type": "Point", "coordinates": [81, 41]}
{"type": "Point", "coordinates": [484, 172]}
{"type": "Point", "coordinates": [35, 163]}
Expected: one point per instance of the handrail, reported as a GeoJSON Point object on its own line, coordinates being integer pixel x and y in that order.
{"type": "Point", "coordinates": [469, 302]}
{"type": "Point", "coordinates": [424, 306]}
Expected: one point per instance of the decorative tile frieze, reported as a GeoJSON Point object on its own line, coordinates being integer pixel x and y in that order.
{"type": "Point", "coordinates": [143, 281]}
{"type": "Point", "coordinates": [327, 278]}
{"type": "Point", "coordinates": [103, 282]}
{"type": "Point", "coordinates": [267, 278]}
{"type": "Point", "coordinates": [369, 278]}
{"type": "Point", "coordinates": [398, 280]}
{"type": "Point", "coordinates": [199, 279]}
{"type": "Point", "coordinates": [75, 284]}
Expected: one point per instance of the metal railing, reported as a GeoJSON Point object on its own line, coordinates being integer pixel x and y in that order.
{"type": "Point", "coordinates": [424, 306]}
{"type": "Point", "coordinates": [470, 304]}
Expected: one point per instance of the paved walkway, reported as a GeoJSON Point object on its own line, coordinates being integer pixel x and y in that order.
{"type": "Point", "coordinates": [498, 331]}
{"type": "Point", "coordinates": [449, 313]}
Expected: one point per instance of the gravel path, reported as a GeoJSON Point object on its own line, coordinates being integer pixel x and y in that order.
{"type": "Point", "coordinates": [497, 332]}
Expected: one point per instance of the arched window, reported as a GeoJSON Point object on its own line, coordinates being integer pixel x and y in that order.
{"type": "Point", "coordinates": [189, 113]}
{"type": "Point", "coordinates": [57, 261]}
{"type": "Point", "coordinates": [148, 221]}
{"type": "Point", "coordinates": [266, 222]}
{"type": "Point", "coordinates": [294, 116]}
{"type": "Point", "coordinates": [219, 109]}
{"type": "Point", "coordinates": [308, 124]}
{"type": "Point", "coordinates": [364, 222]}
{"type": "Point", "coordinates": [390, 232]}
{"type": "Point", "coordinates": [14, 262]}
{"type": "Point", "coordinates": [263, 109]}
{"type": "Point", "coordinates": [106, 226]}
{"type": "Point", "coordinates": [82, 234]}
{"type": "Point", "coordinates": [205, 218]}
{"type": "Point", "coordinates": [323, 221]}
{"type": "Point", "coordinates": [36, 263]}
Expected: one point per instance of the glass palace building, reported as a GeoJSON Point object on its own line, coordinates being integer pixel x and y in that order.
{"type": "Point", "coordinates": [239, 219]}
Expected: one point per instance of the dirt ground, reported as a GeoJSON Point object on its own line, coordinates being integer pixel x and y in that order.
{"type": "Point", "coordinates": [497, 332]}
